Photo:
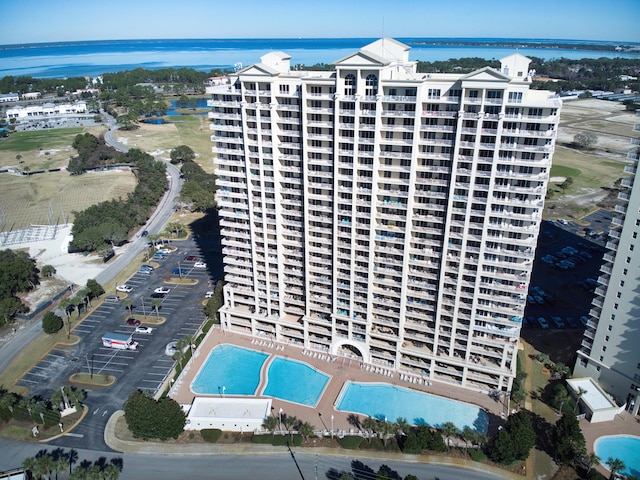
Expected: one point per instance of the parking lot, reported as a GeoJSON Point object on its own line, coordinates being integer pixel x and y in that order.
{"type": "Point", "coordinates": [561, 289]}
{"type": "Point", "coordinates": [146, 367]}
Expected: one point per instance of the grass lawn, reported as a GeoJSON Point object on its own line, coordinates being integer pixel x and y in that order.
{"type": "Point", "coordinates": [189, 130]}
{"type": "Point", "coordinates": [54, 197]}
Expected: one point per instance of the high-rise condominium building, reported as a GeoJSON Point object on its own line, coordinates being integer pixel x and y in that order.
{"type": "Point", "coordinates": [609, 352]}
{"type": "Point", "coordinates": [384, 214]}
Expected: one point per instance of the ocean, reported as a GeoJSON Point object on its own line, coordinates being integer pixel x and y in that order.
{"type": "Point", "coordinates": [72, 59]}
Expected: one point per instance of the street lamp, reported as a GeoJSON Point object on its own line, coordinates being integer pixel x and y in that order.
{"type": "Point", "coordinates": [224, 388]}
{"type": "Point", "coordinates": [331, 426]}
{"type": "Point", "coordinates": [280, 417]}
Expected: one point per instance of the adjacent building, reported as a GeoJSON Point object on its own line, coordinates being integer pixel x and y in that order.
{"type": "Point", "coordinates": [609, 352]}
{"type": "Point", "coordinates": [384, 214]}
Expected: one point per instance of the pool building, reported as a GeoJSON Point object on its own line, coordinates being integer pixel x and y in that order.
{"type": "Point", "coordinates": [384, 215]}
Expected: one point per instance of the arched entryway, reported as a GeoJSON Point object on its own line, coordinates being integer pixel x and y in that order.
{"type": "Point", "coordinates": [350, 349]}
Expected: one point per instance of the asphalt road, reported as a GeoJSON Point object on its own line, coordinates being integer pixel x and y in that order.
{"type": "Point", "coordinates": [238, 467]}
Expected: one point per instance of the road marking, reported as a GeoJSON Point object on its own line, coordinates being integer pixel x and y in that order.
{"type": "Point", "coordinates": [77, 435]}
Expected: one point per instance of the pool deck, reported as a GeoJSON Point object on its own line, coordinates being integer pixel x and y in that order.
{"type": "Point", "coordinates": [341, 370]}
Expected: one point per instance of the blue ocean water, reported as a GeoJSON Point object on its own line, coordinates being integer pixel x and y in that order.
{"type": "Point", "coordinates": [68, 59]}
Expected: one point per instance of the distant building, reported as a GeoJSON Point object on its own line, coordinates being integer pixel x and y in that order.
{"type": "Point", "coordinates": [9, 97]}
{"type": "Point", "coordinates": [46, 110]}
{"type": "Point", "coordinates": [31, 96]}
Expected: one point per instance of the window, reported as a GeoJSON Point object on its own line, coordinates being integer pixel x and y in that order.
{"type": "Point", "coordinates": [615, 306]}
{"type": "Point", "coordinates": [284, 88]}
{"type": "Point", "coordinates": [433, 93]}
{"type": "Point", "coordinates": [609, 328]}
{"type": "Point", "coordinates": [371, 84]}
{"type": "Point", "coordinates": [628, 259]}
{"type": "Point", "coordinates": [350, 84]}
{"type": "Point", "coordinates": [606, 338]}
{"type": "Point", "coordinates": [515, 97]}
{"type": "Point", "coordinates": [604, 348]}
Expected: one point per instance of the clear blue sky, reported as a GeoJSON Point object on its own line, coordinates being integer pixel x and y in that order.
{"type": "Point", "coordinates": [36, 21]}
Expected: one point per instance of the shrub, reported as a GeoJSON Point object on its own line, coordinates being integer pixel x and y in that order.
{"type": "Point", "coordinates": [51, 323]}
{"type": "Point", "coordinates": [477, 455]}
{"type": "Point", "coordinates": [211, 435]}
{"type": "Point", "coordinates": [277, 440]}
{"type": "Point", "coordinates": [351, 442]}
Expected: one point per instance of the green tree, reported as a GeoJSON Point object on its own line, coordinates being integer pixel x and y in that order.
{"type": "Point", "coordinates": [520, 428]}
{"type": "Point", "coordinates": [51, 323]}
{"type": "Point", "coordinates": [156, 303]}
{"type": "Point", "coordinates": [569, 440]}
{"type": "Point", "coordinates": [182, 154]}
{"type": "Point", "coordinates": [502, 450]}
{"type": "Point", "coordinates": [48, 271]}
{"type": "Point", "coordinates": [560, 396]}
{"type": "Point", "coordinates": [94, 288]}
{"type": "Point", "coordinates": [148, 418]}
{"type": "Point", "coordinates": [370, 426]}
{"type": "Point", "coordinates": [128, 304]}
{"type": "Point", "coordinates": [75, 397]}
{"type": "Point", "coordinates": [290, 423]}
{"type": "Point", "coordinates": [411, 444]}
{"type": "Point", "coordinates": [614, 465]}
{"type": "Point", "coordinates": [581, 391]}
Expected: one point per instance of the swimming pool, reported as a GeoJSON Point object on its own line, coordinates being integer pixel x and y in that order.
{"type": "Point", "coordinates": [235, 370]}
{"type": "Point", "coordinates": [380, 400]}
{"type": "Point", "coordinates": [623, 447]}
{"type": "Point", "coordinates": [295, 381]}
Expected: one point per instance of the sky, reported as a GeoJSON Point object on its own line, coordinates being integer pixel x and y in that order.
{"type": "Point", "coordinates": [41, 21]}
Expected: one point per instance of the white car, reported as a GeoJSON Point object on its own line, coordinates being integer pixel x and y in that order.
{"type": "Point", "coordinates": [144, 330]}
{"type": "Point", "coordinates": [562, 221]}
{"type": "Point", "coordinates": [124, 288]}
{"type": "Point", "coordinates": [209, 294]}
{"type": "Point", "coordinates": [199, 265]}
{"type": "Point", "coordinates": [162, 290]}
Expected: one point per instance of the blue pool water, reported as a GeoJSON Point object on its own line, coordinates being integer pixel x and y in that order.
{"type": "Point", "coordinates": [624, 447]}
{"type": "Point", "coordinates": [295, 382]}
{"type": "Point", "coordinates": [379, 400]}
{"type": "Point", "coordinates": [235, 368]}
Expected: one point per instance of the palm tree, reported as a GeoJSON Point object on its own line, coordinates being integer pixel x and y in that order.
{"type": "Point", "coordinates": [591, 459]}
{"type": "Point", "coordinates": [615, 465]}
{"type": "Point", "coordinates": [290, 424]}
{"type": "Point", "coordinates": [270, 423]}
{"type": "Point", "coordinates": [47, 464]}
{"type": "Point", "coordinates": [190, 341]}
{"type": "Point", "coordinates": [563, 397]}
{"type": "Point", "coordinates": [128, 304]}
{"type": "Point", "coordinates": [60, 465]}
{"type": "Point", "coordinates": [448, 430]}
{"type": "Point", "coordinates": [29, 464]}
{"type": "Point", "coordinates": [156, 303]}
{"type": "Point", "coordinates": [76, 301]}
{"type": "Point", "coordinates": [468, 434]}
{"type": "Point", "coordinates": [306, 430]}
{"type": "Point", "coordinates": [402, 426]}
{"type": "Point", "coordinates": [581, 391]}
{"type": "Point", "coordinates": [65, 304]}
{"type": "Point", "coordinates": [369, 425]}
{"type": "Point", "coordinates": [111, 472]}
{"type": "Point", "coordinates": [385, 429]}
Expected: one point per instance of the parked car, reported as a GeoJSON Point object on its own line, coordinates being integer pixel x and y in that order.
{"type": "Point", "coordinates": [562, 221]}
{"type": "Point", "coordinates": [143, 330]}
{"type": "Point", "coordinates": [190, 258]}
{"type": "Point", "coordinates": [543, 322]}
{"type": "Point", "coordinates": [157, 256]}
{"type": "Point", "coordinates": [558, 322]}
{"type": "Point", "coordinates": [539, 300]}
{"type": "Point", "coordinates": [133, 321]}
{"type": "Point", "coordinates": [583, 320]}
{"type": "Point", "coordinates": [209, 294]}
{"type": "Point", "coordinates": [178, 271]}
{"type": "Point", "coordinates": [124, 288]}
{"type": "Point", "coordinates": [145, 271]}
{"type": "Point", "coordinates": [145, 233]}
{"type": "Point", "coordinates": [571, 322]}
{"type": "Point", "coordinates": [162, 290]}
{"type": "Point", "coordinates": [199, 265]}
{"type": "Point", "coordinates": [112, 298]}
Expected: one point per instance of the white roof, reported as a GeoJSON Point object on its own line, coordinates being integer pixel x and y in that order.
{"type": "Point", "coordinates": [594, 396]}
{"type": "Point", "coordinates": [230, 408]}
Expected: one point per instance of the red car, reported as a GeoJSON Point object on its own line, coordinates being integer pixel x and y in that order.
{"type": "Point", "coordinates": [190, 258]}
{"type": "Point", "coordinates": [133, 322]}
